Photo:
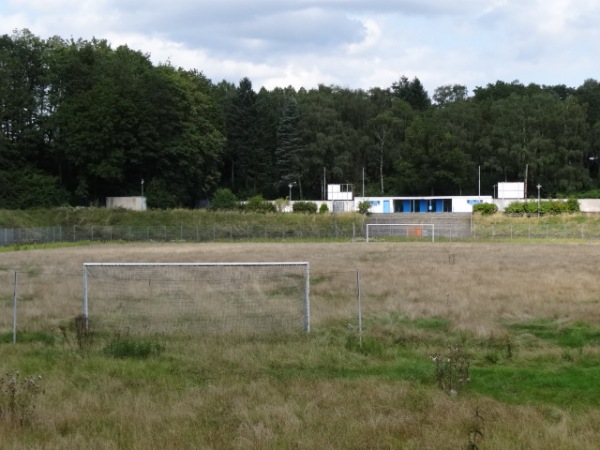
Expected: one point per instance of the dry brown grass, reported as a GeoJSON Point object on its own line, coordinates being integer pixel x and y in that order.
{"type": "Point", "coordinates": [476, 285]}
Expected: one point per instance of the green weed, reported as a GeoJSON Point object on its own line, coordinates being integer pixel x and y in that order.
{"type": "Point", "coordinates": [130, 347]}
{"type": "Point", "coordinates": [27, 337]}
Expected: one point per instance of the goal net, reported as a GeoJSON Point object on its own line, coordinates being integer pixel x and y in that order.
{"type": "Point", "coordinates": [183, 298]}
{"type": "Point", "coordinates": [410, 231]}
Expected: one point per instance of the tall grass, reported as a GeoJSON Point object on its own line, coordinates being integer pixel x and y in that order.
{"type": "Point", "coordinates": [186, 217]}
{"type": "Point", "coordinates": [328, 389]}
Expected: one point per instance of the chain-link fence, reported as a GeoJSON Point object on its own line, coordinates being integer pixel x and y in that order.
{"type": "Point", "coordinates": [536, 231]}
{"type": "Point", "coordinates": [33, 301]}
{"type": "Point", "coordinates": [447, 230]}
{"type": "Point", "coordinates": [198, 233]}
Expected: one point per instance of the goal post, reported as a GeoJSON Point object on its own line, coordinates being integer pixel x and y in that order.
{"type": "Point", "coordinates": [171, 298]}
{"type": "Point", "coordinates": [401, 230]}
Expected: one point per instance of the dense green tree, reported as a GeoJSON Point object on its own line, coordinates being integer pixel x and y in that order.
{"type": "Point", "coordinates": [247, 163]}
{"type": "Point", "coordinates": [432, 161]}
{"type": "Point", "coordinates": [192, 153]}
{"type": "Point", "coordinates": [289, 147]}
{"type": "Point", "coordinates": [80, 121]}
{"type": "Point", "coordinates": [26, 188]}
{"type": "Point", "coordinates": [542, 134]}
{"type": "Point", "coordinates": [388, 129]}
{"type": "Point", "coordinates": [23, 100]}
{"type": "Point", "coordinates": [270, 107]}
{"type": "Point", "coordinates": [224, 199]}
{"type": "Point", "coordinates": [412, 92]}
{"type": "Point", "coordinates": [444, 95]}
{"type": "Point", "coordinates": [588, 94]}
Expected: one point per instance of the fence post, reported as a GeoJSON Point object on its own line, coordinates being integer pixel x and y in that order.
{"type": "Point", "coordinates": [359, 307]}
{"type": "Point", "coordinates": [15, 291]}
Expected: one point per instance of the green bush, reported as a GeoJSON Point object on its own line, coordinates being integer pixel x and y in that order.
{"type": "Point", "coordinates": [363, 207]}
{"type": "Point", "coordinates": [545, 207]}
{"type": "Point", "coordinates": [128, 347]}
{"type": "Point", "coordinates": [30, 189]}
{"type": "Point", "coordinates": [305, 207]}
{"type": "Point", "coordinates": [572, 205]}
{"type": "Point", "coordinates": [224, 199]}
{"type": "Point", "coordinates": [323, 208]}
{"type": "Point", "coordinates": [258, 204]}
{"type": "Point", "coordinates": [160, 196]}
{"type": "Point", "coordinates": [485, 209]}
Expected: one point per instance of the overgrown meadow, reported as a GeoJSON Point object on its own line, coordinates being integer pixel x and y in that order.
{"type": "Point", "coordinates": [464, 345]}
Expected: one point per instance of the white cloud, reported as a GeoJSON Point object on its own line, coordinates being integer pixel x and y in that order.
{"type": "Point", "coordinates": [351, 43]}
{"type": "Point", "coordinates": [371, 36]}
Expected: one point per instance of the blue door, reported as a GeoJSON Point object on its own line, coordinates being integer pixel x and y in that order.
{"type": "Point", "coordinates": [439, 206]}
{"type": "Point", "coordinates": [386, 206]}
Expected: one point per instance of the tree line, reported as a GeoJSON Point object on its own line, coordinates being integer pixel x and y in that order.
{"type": "Point", "coordinates": [80, 121]}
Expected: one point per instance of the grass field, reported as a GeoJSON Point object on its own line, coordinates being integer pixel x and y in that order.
{"type": "Point", "coordinates": [521, 321]}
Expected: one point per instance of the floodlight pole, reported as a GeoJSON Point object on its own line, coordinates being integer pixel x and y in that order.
{"type": "Point", "coordinates": [142, 183]}
{"type": "Point", "coordinates": [291, 185]}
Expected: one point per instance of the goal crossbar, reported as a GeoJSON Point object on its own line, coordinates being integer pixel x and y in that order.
{"type": "Point", "coordinates": [89, 266]}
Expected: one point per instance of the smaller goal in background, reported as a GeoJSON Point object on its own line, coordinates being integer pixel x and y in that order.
{"type": "Point", "coordinates": [191, 298]}
{"type": "Point", "coordinates": [410, 231]}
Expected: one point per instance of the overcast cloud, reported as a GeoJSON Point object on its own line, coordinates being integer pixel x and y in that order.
{"type": "Point", "coordinates": [350, 43]}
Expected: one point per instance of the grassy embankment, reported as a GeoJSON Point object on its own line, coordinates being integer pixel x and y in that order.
{"type": "Point", "coordinates": [186, 217]}
{"type": "Point", "coordinates": [112, 224]}
{"type": "Point", "coordinates": [524, 316]}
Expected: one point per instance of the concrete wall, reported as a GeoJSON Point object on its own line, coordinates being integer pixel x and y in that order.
{"type": "Point", "coordinates": [133, 203]}
{"type": "Point", "coordinates": [460, 204]}
{"type": "Point", "coordinates": [589, 205]}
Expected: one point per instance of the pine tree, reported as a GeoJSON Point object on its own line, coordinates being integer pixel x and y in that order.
{"type": "Point", "coordinates": [289, 145]}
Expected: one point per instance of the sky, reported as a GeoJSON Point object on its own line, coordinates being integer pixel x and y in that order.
{"type": "Point", "coordinates": [348, 43]}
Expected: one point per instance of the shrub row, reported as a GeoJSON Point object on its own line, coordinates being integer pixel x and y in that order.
{"type": "Point", "coordinates": [485, 209]}
{"type": "Point", "coordinates": [545, 207]}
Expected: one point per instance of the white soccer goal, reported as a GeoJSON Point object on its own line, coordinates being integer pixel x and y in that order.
{"type": "Point", "coordinates": [183, 298]}
{"type": "Point", "coordinates": [401, 230]}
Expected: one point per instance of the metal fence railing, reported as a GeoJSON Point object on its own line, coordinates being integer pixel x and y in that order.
{"type": "Point", "coordinates": [198, 233]}
{"type": "Point", "coordinates": [235, 232]}
{"type": "Point", "coordinates": [536, 231]}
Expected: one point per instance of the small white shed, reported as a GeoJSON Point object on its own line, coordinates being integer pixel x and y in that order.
{"type": "Point", "coordinates": [133, 203]}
